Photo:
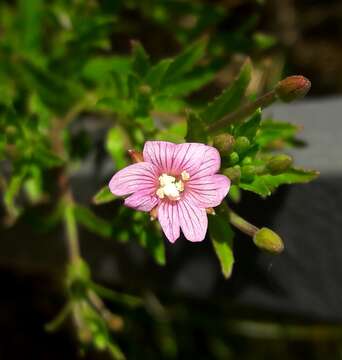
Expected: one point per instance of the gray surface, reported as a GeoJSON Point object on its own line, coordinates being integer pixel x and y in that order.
{"type": "Point", "coordinates": [322, 121]}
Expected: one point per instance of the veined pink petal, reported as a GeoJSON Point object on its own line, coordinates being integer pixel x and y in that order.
{"type": "Point", "coordinates": [188, 157]}
{"type": "Point", "coordinates": [193, 220]}
{"type": "Point", "coordinates": [210, 162]}
{"type": "Point", "coordinates": [139, 176]}
{"type": "Point", "coordinates": [143, 201]}
{"type": "Point", "coordinates": [168, 217]}
{"type": "Point", "coordinates": [207, 191]}
{"type": "Point", "coordinates": [160, 154]}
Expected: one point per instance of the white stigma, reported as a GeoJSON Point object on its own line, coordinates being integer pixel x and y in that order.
{"type": "Point", "coordinates": [171, 188]}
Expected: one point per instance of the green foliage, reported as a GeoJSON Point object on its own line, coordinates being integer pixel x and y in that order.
{"type": "Point", "coordinates": [264, 185]}
{"type": "Point", "coordinates": [230, 98]}
{"type": "Point", "coordinates": [222, 235]}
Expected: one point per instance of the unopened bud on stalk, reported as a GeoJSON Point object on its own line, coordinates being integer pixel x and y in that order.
{"type": "Point", "coordinates": [224, 143]}
{"type": "Point", "coordinates": [241, 144]}
{"type": "Point", "coordinates": [292, 88]}
{"type": "Point", "coordinates": [279, 163]}
{"type": "Point", "coordinates": [136, 156]}
{"type": "Point", "coordinates": [233, 173]}
{"type": "Point", "coordinates": [268, 240]}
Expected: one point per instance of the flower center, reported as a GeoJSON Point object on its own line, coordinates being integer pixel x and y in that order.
{"type": "Point", "coordinates": [171, 187]}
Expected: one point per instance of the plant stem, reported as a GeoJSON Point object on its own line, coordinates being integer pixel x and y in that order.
{"type": "Point", "coordinates": [246, 110]}
{"type": "Point", "coordinates": [242, 224]}
{"type": "Point", "coordinates": [71, 231]}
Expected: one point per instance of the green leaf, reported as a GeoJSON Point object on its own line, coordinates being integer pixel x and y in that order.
{"type": "Point", "coordinates": [271, 131]}
{"type": "Point", "coordinates": [30, 13]}
{"type": "Point", "coordinates": [230, 98]}
{"type": "Point", "coordinates": [188, 84]}
{"type": "Point", "coordinates": [92, 222]}
{"type": "Point", "coordinates": [101, 67]}
{"type": "Point", "coordinates": [185, 62]}
{"type": "Point", "coordinates": [116, 146]}
{"type": "Point", "coordinates": [156, 73]}
{"type": "Point", "coordinates": [222, 235]}
{"type": "Point", "coordinates": [175, 133]}
{"type": "Point", "coordinates": [103, 196]}
{"type": "Point", "coordinates": [264, 185]}
{"type": "Point", "coordinates": [141, 62]}
{"type": "Point", "coordinates": [264, 41]}
{"type": "Point", "coordinates": [196, 128]}
{"type": "Point", "coordinates": [250, 127]}
{"type": "Point", "coordinates": [11, 191]}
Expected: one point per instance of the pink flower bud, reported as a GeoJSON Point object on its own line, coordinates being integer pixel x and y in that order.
{"type": "Point", "coordinates": [292, 88]}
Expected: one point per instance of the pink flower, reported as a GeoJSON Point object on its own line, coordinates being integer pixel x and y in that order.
{"type": "Point", "coordinates": [180, 181]}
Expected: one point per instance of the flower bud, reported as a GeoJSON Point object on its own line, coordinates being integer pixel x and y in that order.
{"type": "Point", "coordinates": [233, 173]}
{"type": "Point", "coordinates": [224, 143]}
{"type": "Point", "coordinates": [279, 163]}
{"type": "Point", "coordinates": [292, 88]}
{"type": "Point", "coordinates": [248, 173]}
{"type": "Point", "coordinates": [268, 240]}
{"type": "Point", "coordinates": [234, 158]}
{"type": "Point", "coordinates": [136, 156]}
{"type": "Point", "coordinates": [241, 144]}
{"type": "Point", "coordinates": [145, 90]}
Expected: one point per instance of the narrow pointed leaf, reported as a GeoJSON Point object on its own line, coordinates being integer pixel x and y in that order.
{"type": "Point", "coordinates": [230, 98]}
{"type": "Point", "coordinates": [222, 235]}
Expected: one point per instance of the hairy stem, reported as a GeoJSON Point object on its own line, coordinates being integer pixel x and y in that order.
{"type": "Point", "coordinates": [246, 110]}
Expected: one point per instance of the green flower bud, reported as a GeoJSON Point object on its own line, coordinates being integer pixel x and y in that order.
{"type": "Point", "coordinates": [268, 240]}
{"type": "Point", "coordinates": [248, 173]}
{"type": "Point", "coordinates": [224, 143]}
{"type": "Point", "coordinates": [233, 173]}
{"type": "Point", "coordinates": [279, 163]}
{"type": "Point", "coordinates": [241, 144]}
{"type": "Point", "coordinates": [234, 158]}
{"type": "Point", "coordinates": [145, 90]}
{"type": "Point", "coordinates": [247, 160]}
{"type": "Point", "coordinates": [292, 88]}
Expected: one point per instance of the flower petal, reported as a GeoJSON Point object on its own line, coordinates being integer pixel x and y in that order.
{"type": "Point", "coordinates": [160, 154]}
{"type": "Point", "coordinates": [143, 201]}
{"type": "Point", "coordinates": [168, 217]}
{"type": "Point", "coordinates": [188, 157]}
{"type": "Point", "coordinates": [193, 220]}
{"type": "Point", "coordinates": [210, 162]}
{"type": "Point", "coordinates": [140, 176]}
{"type": "Point", "coordinates": [207, 191]}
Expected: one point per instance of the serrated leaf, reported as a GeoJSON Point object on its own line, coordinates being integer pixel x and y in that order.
{"type": "Point", "coordinates": [264, 185]}
{"type": "Point", "coordinates": [250, 127]}
{"type": "Point", "coordinates": [141, 61]}
{"type": "Point", "coordinates": [196, 128]}
{"type": "Point", "coordinates": [92, 222]}
{"type": "Point", "coordinates": [103, 196]}
{"type": "Point", "coordinates": [230, 98]}
{"type": "Point", "coordinates": [221, 235]}
{"type": "Point", "coordinates": [271, 131]}
{"type": "Point", "coordinates": [185, 61]}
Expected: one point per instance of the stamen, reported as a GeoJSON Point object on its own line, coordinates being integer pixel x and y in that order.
{"type": "Point", "coordinates": [185, 175]}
